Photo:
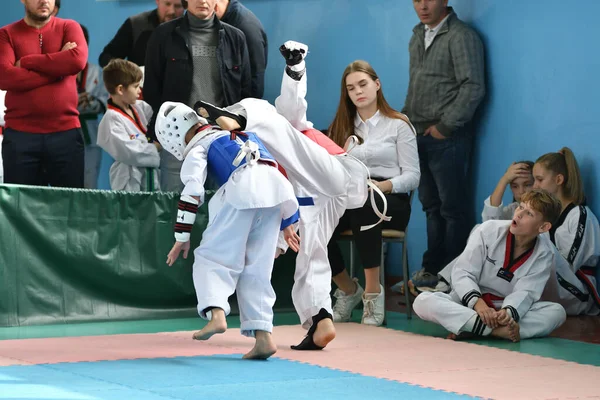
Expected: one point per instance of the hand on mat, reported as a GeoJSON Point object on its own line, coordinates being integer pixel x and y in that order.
{"type": "Point", "coordinates": [178, 247]}
{"type": "Point", "coordinates": [292, 238]}
{"type": "Point", "coordinates": [503, 317]}
{"type": "Point", "coordinates": [433, 131]}
{"type": "Point", "coordinates": [487, 314]}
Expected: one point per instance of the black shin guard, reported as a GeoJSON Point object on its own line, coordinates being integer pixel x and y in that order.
{"type": "Point", "coordinates": [308, 342]}
{"type": "Point", "coordinates": [215, 112]}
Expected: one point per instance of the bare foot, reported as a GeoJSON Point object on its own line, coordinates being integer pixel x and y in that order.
{"type": "Point", "coordinates": [514, 331]}
{"type": "Point", "coordinates": [501, 332]}
{"type": "Point", "coordinates": [264, 347]}
{"type": "Point", "coordinates": [325, 332]}
{"type": "Point", "coordinates": [217, 324]}
{"type": "Point", "coordinates": [228, 124]}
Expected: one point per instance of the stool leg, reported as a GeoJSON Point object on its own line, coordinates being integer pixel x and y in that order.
{"type": "Point", "coordinates": [351, 258]}
{"type": "Point", "coordinates": [406, 272]}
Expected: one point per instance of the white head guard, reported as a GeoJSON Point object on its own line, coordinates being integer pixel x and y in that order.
{"type": "Point", "coordinates": [173, 121]}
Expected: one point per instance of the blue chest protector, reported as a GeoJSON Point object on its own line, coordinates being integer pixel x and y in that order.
{"type": "Point", "coordinates": [224, 151]}
{"type": "Point", "coordinates": [222, 154]}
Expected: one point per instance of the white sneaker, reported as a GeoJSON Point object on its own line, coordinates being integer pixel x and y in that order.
{"type": "Point", "coordinates": [373, 308]}
{"type": "Point", "coordinates": [345, 303]}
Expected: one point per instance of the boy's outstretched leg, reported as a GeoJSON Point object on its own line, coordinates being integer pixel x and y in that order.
{"type": "Point", "coordinates": [217, 324]}
{"type": "Point", "coordinates": [264, 347]}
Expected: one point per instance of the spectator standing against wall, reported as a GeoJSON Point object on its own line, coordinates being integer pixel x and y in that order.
{"type": "Point", "coordinates": [193, 58]}
{"type": "Point", "coordinates": [234, 13]}
{"type": "Point", "coordinates": [446, 87]}
{"type": "Point", "coordinates": [131, 39]}
{"type": "Point", "coordinates": [92, 103]}
{"type": "Point", "coordinates": [40, 57]}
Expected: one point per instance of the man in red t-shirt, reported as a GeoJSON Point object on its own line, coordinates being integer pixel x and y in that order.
{"type": "Point", "coordinates": [40, 57]}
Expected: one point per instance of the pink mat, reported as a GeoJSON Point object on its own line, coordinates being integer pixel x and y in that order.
{"type": "Point", "coordinates": [420, 360]}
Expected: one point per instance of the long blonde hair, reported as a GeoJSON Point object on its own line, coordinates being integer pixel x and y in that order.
{"type": "Point", "coordinates": [342, 126]}
{"type": "Point", "coordinates": [565, 163]}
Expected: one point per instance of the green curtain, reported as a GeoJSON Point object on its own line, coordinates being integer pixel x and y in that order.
{"type": "Point", "coordinates": [70, 255]}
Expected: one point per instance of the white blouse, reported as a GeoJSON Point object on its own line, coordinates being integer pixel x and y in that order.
{"type": "Point", "coordinates": [389, 151]}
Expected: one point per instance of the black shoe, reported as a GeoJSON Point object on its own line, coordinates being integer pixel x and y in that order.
{"type": "Point", "coordinates": [308, 342]}
{"type": "Point", "coordinates": [213, 113]}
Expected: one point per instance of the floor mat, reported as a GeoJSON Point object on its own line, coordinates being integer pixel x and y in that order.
{"type": "Point", "coordinates": [401, 357]}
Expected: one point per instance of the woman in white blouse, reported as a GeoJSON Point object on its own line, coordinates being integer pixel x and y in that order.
{"type": "Point", "coordinates": [387, 145]}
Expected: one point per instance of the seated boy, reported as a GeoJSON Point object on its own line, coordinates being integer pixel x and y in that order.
{"type": "Point", "coordinates": [238, 246]}
{"type": "Point", "coordinates": [122, 131]}
{"type": "Point", "coordinates": [499, 278]}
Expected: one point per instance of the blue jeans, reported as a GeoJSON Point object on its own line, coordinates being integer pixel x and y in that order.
{"type": "Point", "coordinates": [443, 192]}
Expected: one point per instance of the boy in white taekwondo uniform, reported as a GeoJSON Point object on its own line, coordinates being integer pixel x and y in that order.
{"type": "Point", "coordinates": [92, 102]}
{"type": "Point", "coordinates": [325, 184]}
{"type": "Point", "coordinates": [500, 276]}
{"type": "Point", "coordinates": [577, 239]}
{"type": "Point", "coordinates": [245, 215]}
{"type": "Point", "coordinates": [122, 131]}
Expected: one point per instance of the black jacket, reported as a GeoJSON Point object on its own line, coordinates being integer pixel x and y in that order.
{"type": "Point", "coordinates": [239, 16]}
{"type": "Point", "coordinates": [131, 39]}
{"type": "Point", "coordinates": [169, 65]}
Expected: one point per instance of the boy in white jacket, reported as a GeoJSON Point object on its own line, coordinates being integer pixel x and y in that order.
{"type": "Point", "coordinates": [245, 217]}
{"type": "Point", "coordinates": [499, 278]}
{"type": "Point", "coordinates": [122, 131]}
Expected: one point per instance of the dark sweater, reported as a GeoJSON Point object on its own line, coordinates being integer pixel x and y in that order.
{"type": "Point", "coordinates": [131, 39]}
{"type": "Point", "coordinates": [256, 39]}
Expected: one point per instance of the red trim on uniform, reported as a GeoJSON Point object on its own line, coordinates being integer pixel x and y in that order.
{"type": "Point", "coordinates": [136, 120]}
{"type": "Point", "coordinates": [583, 276]}
{"type": "Point", "coordinates": [490, 298]}
{"type": "Point", "coordinates": [510, 264]}
{"type": "Point", "coordinates": [183, 227]}
{"type": "Point", "coordinates": [203, 128]}
{"type": "Point", "coordinates": [183, 206]}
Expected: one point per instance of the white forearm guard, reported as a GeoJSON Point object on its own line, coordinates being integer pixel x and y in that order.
{"type": "Point", "coordinates": [186, 216]}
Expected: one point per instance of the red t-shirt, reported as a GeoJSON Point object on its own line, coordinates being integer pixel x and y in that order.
{"type": "Point", "coordinates": [42, 93]}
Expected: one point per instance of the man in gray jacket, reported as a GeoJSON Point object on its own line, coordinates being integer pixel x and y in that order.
{"type": "Point", "coordinates": [195, 57]}
{"type": "Point", "coordinates": [446, 87]}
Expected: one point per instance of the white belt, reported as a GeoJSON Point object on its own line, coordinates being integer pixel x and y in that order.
{"type": "Point", "coordinates": [351, 142]}
{"type": "Point", "coordinates": [250, 151]}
